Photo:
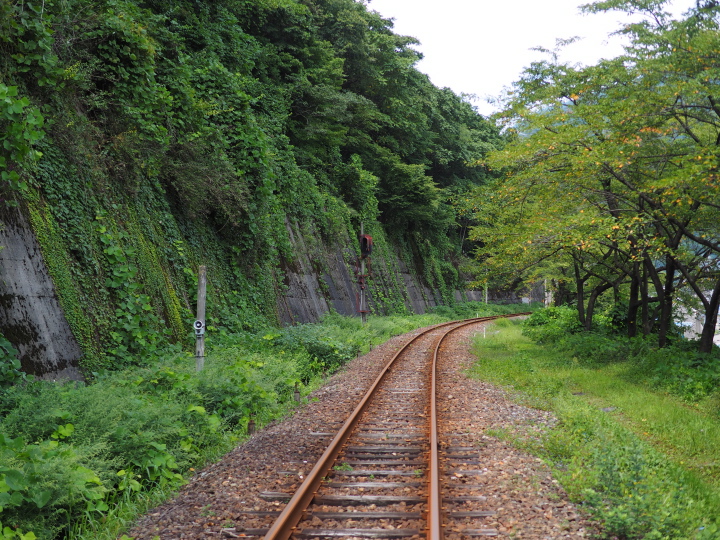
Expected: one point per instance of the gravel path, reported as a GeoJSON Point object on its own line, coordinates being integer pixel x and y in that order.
{"type": "Point", "coordinates": [527, 502]}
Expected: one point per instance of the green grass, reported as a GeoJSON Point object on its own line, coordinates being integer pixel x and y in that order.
{"type": "Point", "coordinates": [646, 466]}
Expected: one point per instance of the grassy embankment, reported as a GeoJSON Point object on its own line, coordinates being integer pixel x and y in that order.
{"type": "Point", "coordinates": [83, 461]}
{"type": "Point", "coordinates": [639, 428]}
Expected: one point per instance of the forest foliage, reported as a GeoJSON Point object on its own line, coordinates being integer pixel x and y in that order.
{"type": "Point", "coordinates": [610, 184]}
{"type": "Point", "coordinates": [144, 138]}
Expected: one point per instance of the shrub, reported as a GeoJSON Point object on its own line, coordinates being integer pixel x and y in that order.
{"type": "Point", "coordinates": [323, 353]}
{"type": "Point", "coordinates": [91, 444]}
{"type": "Point", "coordinates": [552, 324]}
{"type": "Point", "coordinates": [682, 372]}
{"type": "Point", "coordinates": [40, 483]}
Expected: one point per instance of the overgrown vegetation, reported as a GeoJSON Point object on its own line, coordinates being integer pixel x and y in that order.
{"type": "Point", "coordinates": [144, 138]}
{"type": "Point", "coordinates": [77, 460]}
{"type": "Point", "coordinates": [678, 369]}
{"type": "Point", "coordinates": [9, 364]}
{"type": "Point", "coordinates": [637, 438]}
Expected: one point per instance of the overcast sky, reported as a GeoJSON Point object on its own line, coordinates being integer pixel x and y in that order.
{"type": "Point", "coordinates": [480, 46]}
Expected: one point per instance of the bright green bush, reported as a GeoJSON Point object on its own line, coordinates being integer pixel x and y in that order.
{"type": "Point", "coordinates": [126, 432]}
{"type": "Point", "coordinates": [41, 483]}
{"type": "Point", "coordinates": [552, 324]}
{"type": "Point", "coordinates": [323, 352]}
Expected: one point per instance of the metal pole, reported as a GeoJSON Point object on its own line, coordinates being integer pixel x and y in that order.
{"type": "Point", "coordinates": [200, 322]}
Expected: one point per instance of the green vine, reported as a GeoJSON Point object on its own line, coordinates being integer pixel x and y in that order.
{"type": "Point", "coordinates": [55, 255]}
{"type": "Point", "coordinates": [138, 332]}
{"type": "Point", "coordinates": [10, 373]}
{"type": "Point", "coordinates": [20, 128]}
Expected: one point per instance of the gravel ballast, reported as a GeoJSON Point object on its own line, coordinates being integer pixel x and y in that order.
{"type": "Point", "coordinates": [250, 485]}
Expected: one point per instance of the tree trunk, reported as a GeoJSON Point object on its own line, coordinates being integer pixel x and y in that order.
{"type": "Point", "coordinates": [580, 284]}
{"type": "Point", "coordinates": [711, 316]}
{"type": "Point", "coordinates": [666, 302]}
{"type": "Point", "coordinates": [562, 295]}
{"type": "Point", "coordinates": [644, 297]}
{"type": "Point", "coordinates": [594, 295]}
{"type": "Point", "coordinates": [633, 302]}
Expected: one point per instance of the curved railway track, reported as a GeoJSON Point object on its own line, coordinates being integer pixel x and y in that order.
{"type": "Point", "coordinates": [390, 472]}
{"type": "Point", "coordinates": [488, 487]}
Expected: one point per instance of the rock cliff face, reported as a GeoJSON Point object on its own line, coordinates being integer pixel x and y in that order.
{"type": "Point", "coordinates": [320, 279]}
{"type": "Point", "coordinates": [323, 278]}
{"type": "Point", "coordinates": [30, 314]}
{"type": "Point", "coordinates": [311, 293]}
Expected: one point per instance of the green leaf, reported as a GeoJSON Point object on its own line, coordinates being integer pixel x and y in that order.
{"type": "Point", "coordinates": [16, 444]}
{"type": "Point", "coordinates": [196, 408]}
{"type": "Point", "coordinates": [16, 480]}
{"type": "Point", "coordinates": [42, 498]}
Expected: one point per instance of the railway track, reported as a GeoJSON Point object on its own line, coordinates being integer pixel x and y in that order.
{"type": "Point", "coordinates": [242, 495]}
{"type": "Point", "coordinates": [391, 471]}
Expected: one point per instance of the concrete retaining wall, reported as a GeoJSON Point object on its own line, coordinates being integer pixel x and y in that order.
{"type": "Point", "coordinates": [30, 314]}
{"type": "Point", "coordinates": [320, 279]}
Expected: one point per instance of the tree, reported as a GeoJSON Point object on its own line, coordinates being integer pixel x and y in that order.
{"type": "Point", "coordinates": [635, 139]}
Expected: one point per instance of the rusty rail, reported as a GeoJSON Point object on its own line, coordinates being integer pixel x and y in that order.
{"type": "Point", "coordinates": [288, 519]}
{"type": "Point", "coordinates": [434, 515]}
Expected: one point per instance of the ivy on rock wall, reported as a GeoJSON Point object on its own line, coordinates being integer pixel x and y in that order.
{"type": "Point", "coordinates": [144, 138]}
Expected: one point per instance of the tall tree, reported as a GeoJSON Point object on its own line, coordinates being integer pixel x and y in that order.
{"type": "Point", "coordinates": [635, 138]}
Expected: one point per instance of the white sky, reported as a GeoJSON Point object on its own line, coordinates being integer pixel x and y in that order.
{"type": "Point", "coordinates": [480, 46]}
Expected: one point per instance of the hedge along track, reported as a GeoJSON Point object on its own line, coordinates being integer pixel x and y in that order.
{"type": "Point", "coordinates": [388, 444]}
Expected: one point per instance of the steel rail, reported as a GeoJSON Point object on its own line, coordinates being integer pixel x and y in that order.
{"type": "Point", "coordinates": [434, 515]}
{"type": "Point", "coordinates": [286, 522]}
{"type": "Point", "coordinates": [291, 515]}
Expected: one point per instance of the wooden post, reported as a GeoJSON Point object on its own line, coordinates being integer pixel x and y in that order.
{"type": "Point", "coordinates": [200, 322]}
{"type": "Point", "coordinates": [363, 300]}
